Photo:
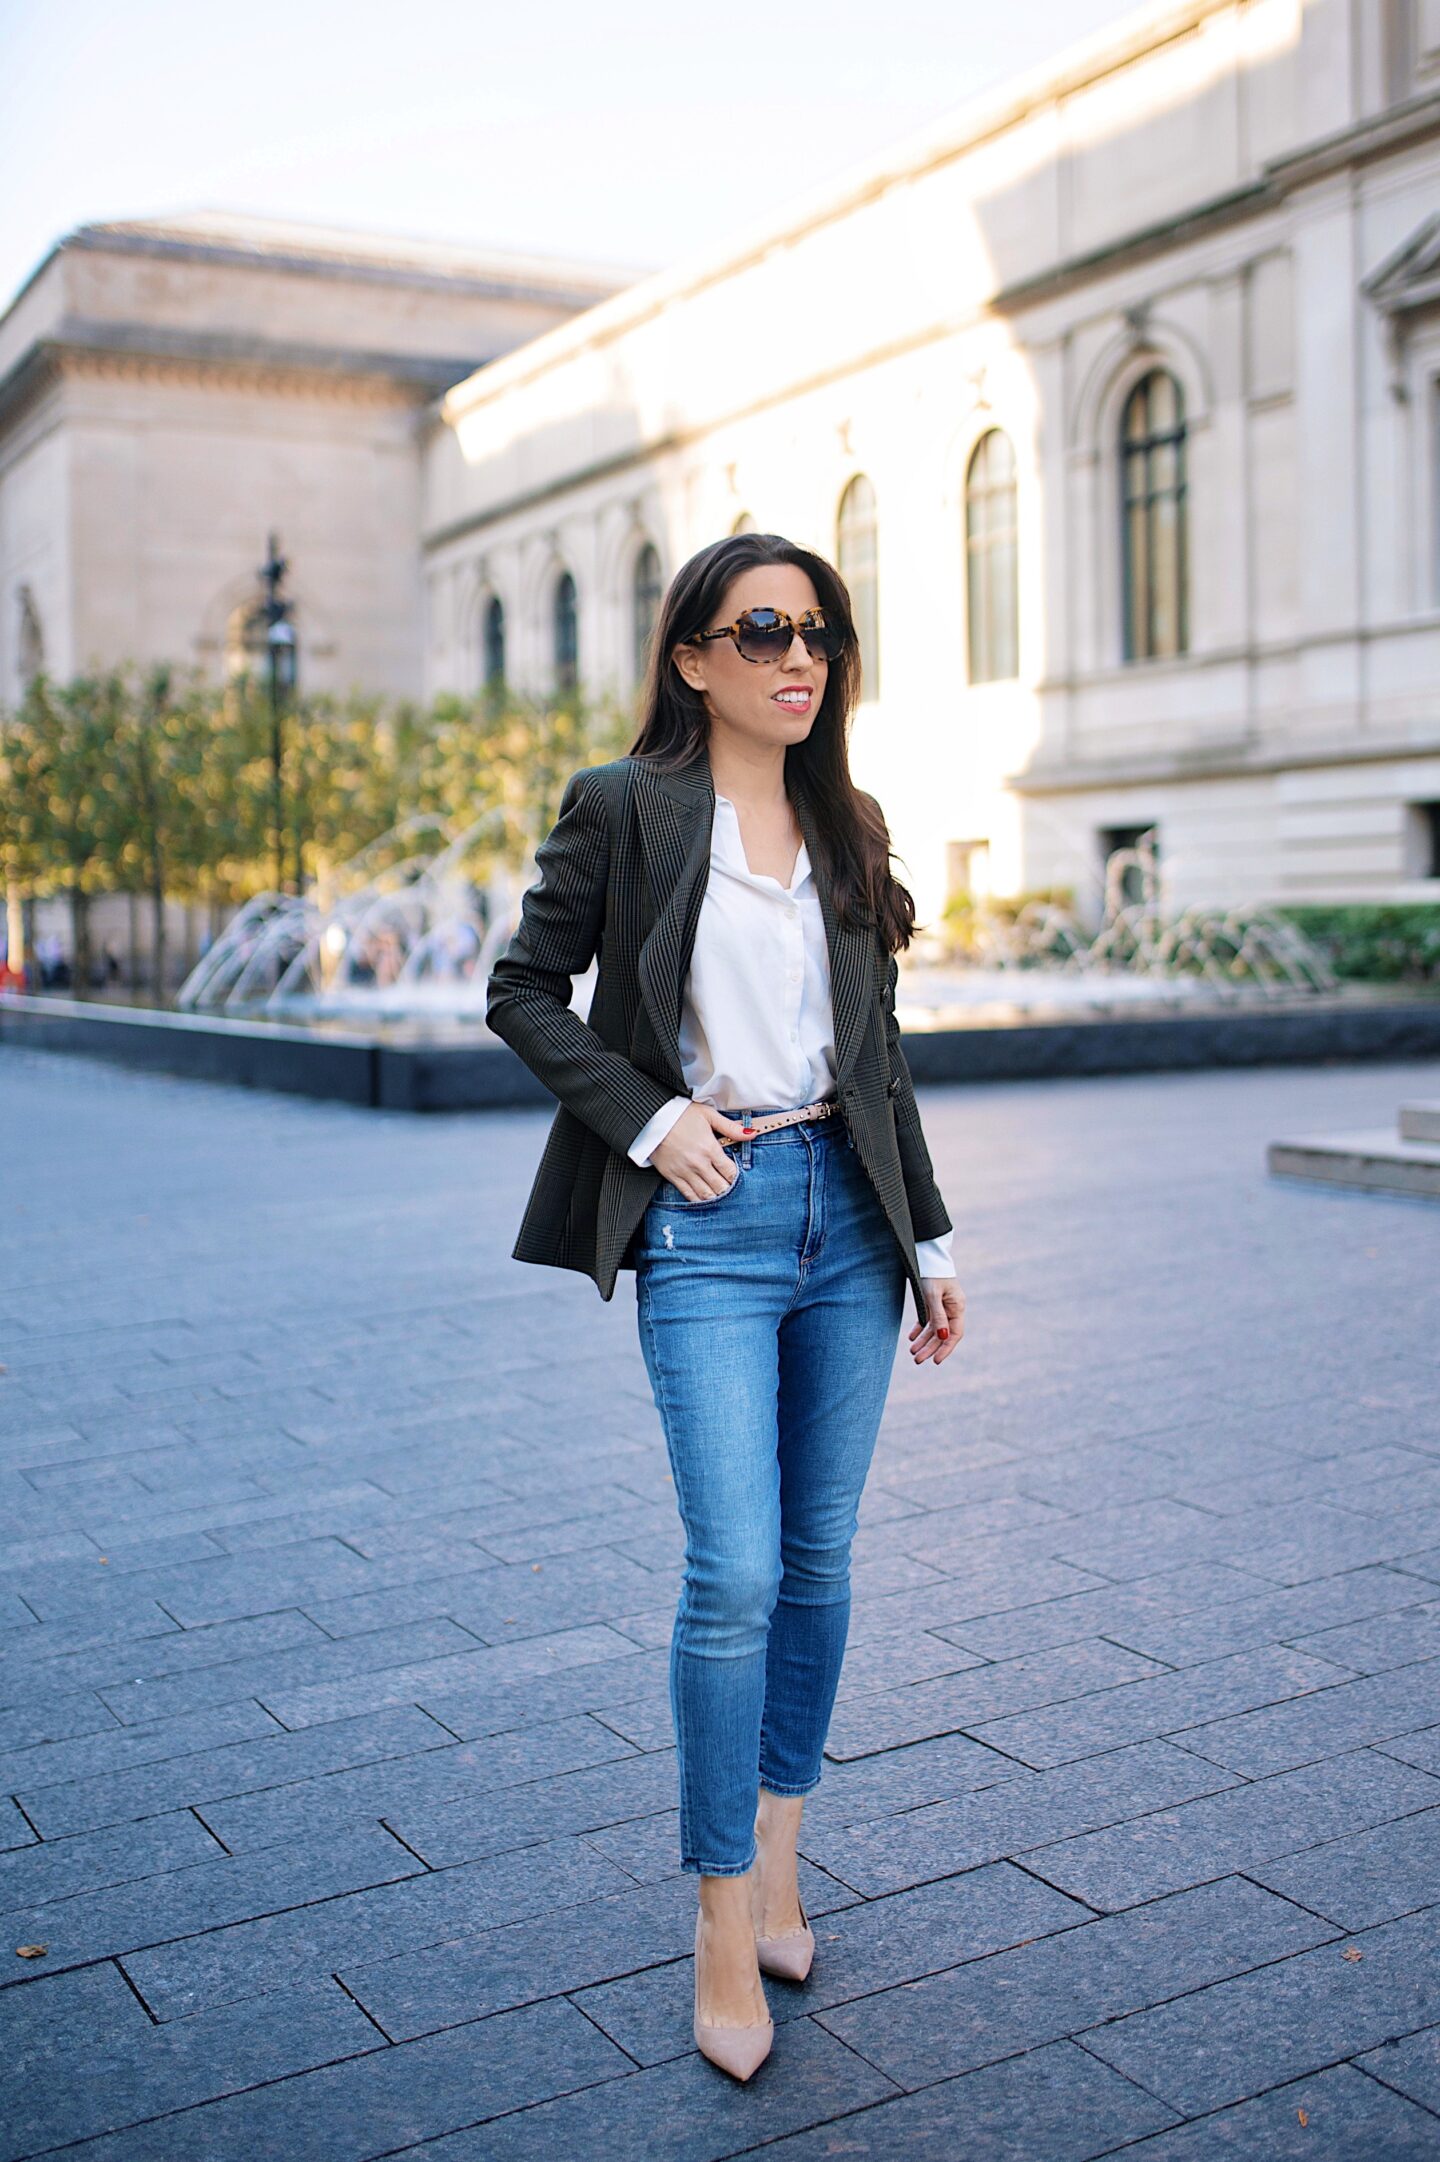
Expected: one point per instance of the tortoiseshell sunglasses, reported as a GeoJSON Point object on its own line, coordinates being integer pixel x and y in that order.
{"type": "Point", "coordinates": [766, 634]}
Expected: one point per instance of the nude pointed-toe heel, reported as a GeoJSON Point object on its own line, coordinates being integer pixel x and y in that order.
{"type": "Point", "coordinates": [788, 1956]}
{"type": "Point", "coordinates": [737, 2050]}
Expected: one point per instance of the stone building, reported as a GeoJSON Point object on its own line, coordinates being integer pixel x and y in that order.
{"type": "Point", "coordinates": [1117, 399]}
{"type": "Point", "coordinates": [173, 390]}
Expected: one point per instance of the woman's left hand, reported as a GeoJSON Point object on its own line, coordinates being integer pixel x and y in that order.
{"type": "Point", "coordinates": [937, 1337]}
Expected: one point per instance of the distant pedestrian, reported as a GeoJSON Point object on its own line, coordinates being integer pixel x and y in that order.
{"type": "Point", "coordinates": [737, 1124]}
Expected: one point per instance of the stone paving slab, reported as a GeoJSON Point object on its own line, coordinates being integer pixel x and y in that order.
{"type": "Point", "coordinates": [68, 2085]}
{"type": "Point", "coordinates": [121, 1854]}
{"type": "Point", "coordinates": [1057, 2102]}
{"type": "Point", "coordinates": [1214, 1629]}
{"type": "Point", "coordinates": [1161, 1703]}
{"type": "Point", "coordinates": [186, 1906]}
{"type": "Point", "coordinates": [1421, 1749]}
{"type": "Point", "coordinates": [1411, 2066]}
{"type": "Point", "coordinates": [353, 2105]}
{"type": "Point", "coordinates": [1340, 2114]}
{"type": "Point", "coordinates": [1275, 1737]}
{"type": "Point", "coordinates": [624, 1798]}
{"type": "Point", "coordinates": [337, 1576]}
{"type": "Point", "coordinates": [399, 1786]}
{"type": "Point", "coordinates": [1223, 2042]}
{"type": "Point", "coordinates": [202, 1777]}
{"type": "Point", "coordinates": [1030, 1810]}
{"type": "Point", "coordinates": [115, 1748]}
{"type": "Point", "coordinates": [871, 1946]}
{"type": "Point", "coordinates": [414, 1924]}
{"type": "Point", "coordinates": [980, 2013]}
{"type": "Point", "coordinates": [26, 1724]}
{"type": "Point", "coordinates": [46, 1670]}
{"type": "Point", "coordinates": [1365, 1878]}
{"type": "Point", "coordinates": [1238, 1828]}
{"type": "Point", "coordinates": [891, 1718]}
{"type": "Point", "coordinates": [16, 1830]}
{"type": "Point", "coordinates": [672, 2111]}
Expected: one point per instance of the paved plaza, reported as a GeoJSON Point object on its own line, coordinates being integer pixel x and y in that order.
{"type": "Point", "coordinates": [339, 1563]}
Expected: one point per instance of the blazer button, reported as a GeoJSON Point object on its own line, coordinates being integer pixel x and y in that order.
{"type": "Point", "coordinates": [895, 1083]}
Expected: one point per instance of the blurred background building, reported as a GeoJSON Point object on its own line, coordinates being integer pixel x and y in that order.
{"type": "Point", "coordinates": [172, 391]}
{"type": "Point", "coordinates": [1116, 397]}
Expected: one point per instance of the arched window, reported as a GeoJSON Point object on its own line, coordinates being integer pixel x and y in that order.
{"type": "Point", "coordinates": [567, 633]}
{"type": "Point", "coordinates": [492, 644]}
{"type": "Point", "coordinates": [744, 523]}
{"type": "Point", "coordinates": [30, 646]}
{"type": "Point", "coordinates": [991, 562]}
{"type": "Point", "coordinates": [647, 604]}
{"type": "Point", "coordinates": [1153, 511]}
{"type": "Point", "coordinates": [855, 560]}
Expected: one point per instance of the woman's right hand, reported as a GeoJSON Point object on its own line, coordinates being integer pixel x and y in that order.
{"type": "Point", "coordinates": [692, 1156]}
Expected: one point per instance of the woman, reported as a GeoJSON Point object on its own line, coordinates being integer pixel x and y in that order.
{"type": "Point", "coordinates": [737, 1124]}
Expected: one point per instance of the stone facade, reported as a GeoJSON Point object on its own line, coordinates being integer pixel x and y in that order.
{"type": "Point", "coordinates": [170, 392]}
{"type": "Point", "coordinates": [1238, 194]}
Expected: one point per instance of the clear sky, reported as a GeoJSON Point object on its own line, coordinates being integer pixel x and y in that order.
{"type": "Point", "coordinates": [634, 134]}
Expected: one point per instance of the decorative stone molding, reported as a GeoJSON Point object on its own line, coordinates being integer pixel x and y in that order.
{"type": "Point", "coordinates": [1145, 339]}
{"type": "Point", "coordinates": [155, 371]}
{"type": "Point", "coordinates": [317, 252]}
{"type": "Point", "coordinates": [1404, 289]}
{"type": "Point", "coordinates": [1137, 323]}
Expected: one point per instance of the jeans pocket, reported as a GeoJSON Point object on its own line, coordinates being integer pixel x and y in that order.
{"type": "Point", "coordinates": [670, 1197]}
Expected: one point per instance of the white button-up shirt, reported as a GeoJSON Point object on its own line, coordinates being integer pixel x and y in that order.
{"type": "Point", "coordinates": [757, 1026]}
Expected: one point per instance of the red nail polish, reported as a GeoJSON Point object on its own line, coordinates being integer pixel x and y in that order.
{"type": "Point", "coordinates": [944, 1332]}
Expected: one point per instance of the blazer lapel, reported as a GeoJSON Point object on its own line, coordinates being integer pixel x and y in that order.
{"type": "Point", "coordinates": [676, 816]}
{"type": "Point", "coordinates": [852, 953]}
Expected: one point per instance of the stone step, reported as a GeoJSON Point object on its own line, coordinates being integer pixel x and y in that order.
{"type": "Point", "coordinates": [1420, 1122]}
{"type": "Point", "coordinates": [1372, 1159]}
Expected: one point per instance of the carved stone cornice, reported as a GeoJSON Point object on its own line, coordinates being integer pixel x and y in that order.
{"type": "Point", "coordinates": [79, 364]}
{"type": "Point", "coordinates": [532, 282]}
{"type": "Point", "coordinates": [1229, 762]}
{"type": "Point", "coordinates": [1380, 136]}
{"type": "Point", "coordinates": [89, 351]}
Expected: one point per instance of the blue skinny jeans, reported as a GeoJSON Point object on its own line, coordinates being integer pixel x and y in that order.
{"type": "Point", "coordinates": [769, 1317]}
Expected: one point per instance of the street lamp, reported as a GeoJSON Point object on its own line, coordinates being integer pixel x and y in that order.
{"type": "Point", "coordinates": [274, 613]}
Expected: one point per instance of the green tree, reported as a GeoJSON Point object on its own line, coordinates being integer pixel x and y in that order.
{"type": "Point", "coordinates": [153, 783]}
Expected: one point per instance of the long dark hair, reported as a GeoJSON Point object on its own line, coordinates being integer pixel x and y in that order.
{"type": "Point", "coordinates": [675, 726]}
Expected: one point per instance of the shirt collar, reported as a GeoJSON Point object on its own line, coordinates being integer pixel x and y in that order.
{"type": "Point", "coordinates": [727, 845]}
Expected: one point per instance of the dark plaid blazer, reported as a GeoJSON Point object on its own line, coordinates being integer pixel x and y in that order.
{"type": "Point", "coordinates": [623, 873]}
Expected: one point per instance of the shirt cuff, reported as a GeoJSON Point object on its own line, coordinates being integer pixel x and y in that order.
{"type": "Point", "coordinates": [933, 1255]}
{"type": "Point", "coordinates": [653, 1132]}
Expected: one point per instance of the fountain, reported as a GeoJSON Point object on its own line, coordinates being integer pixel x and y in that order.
{"type": "Point", "coordinates": [409, 928]}
{"type": "Point", "coordinates": [1139, 956]}
{"type": "Point", "coordinates": [406, 929]}
{"type": "Point", "coordinates": [384, 965]}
